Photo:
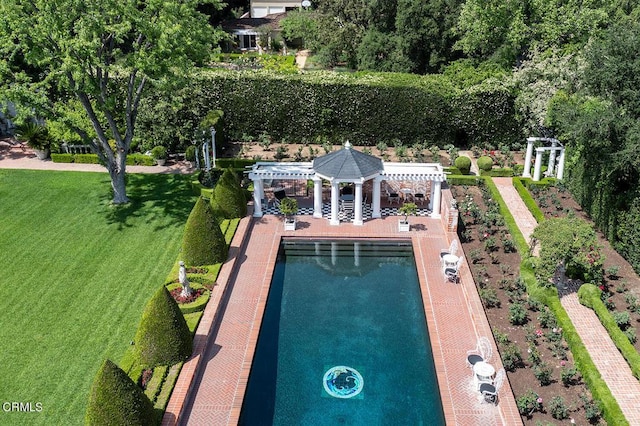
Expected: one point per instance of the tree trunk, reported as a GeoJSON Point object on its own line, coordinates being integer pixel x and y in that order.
{"type": "Point", "coordinates": [118, 184]}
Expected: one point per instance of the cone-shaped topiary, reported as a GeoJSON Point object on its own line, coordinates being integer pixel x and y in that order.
{"type": "Point", "coordinates": [163, 337]}
{"type": "Point", "coordinates": [203, 242]}
{"type": "Point", "coordinates": [463, 163]}
{"type": "Point", "coordinates": [228, 197]}
{"type": "Point", "coordinates": [116, 400]}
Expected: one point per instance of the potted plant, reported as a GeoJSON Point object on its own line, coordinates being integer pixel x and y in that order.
{"type": "Point", "coordinates": [289, 207]}
{"type": "Point", "coordinates": [406, 210]}
{"type": "Point", "coordinates": [36, 136]}
{"type": "Point", "coordinates": [159, 153]}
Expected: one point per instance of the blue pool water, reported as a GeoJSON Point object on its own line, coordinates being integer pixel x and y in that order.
{"type": "Point", "coordinates": [343, 340]}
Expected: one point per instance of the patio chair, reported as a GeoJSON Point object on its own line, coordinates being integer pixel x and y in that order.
{"type": "Point", "coordinates": [490, 391]}
{"type": "Point", "coordinates": [482, 352]}
{"type": "Point", "coordinates": [393, 197]}
{"type": "Point", "coordinates": [279, 195]}
{"type": "Point", "coordinates": [452, 273]}
{"type": "Point", "coordinates": [347, 206]}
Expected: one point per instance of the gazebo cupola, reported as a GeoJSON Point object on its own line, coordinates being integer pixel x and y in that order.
{"type": "Point", "coordinates": [347, 166]}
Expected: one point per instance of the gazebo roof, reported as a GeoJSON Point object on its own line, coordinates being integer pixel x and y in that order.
{"type": "Point", "coordinates": [347, 164]}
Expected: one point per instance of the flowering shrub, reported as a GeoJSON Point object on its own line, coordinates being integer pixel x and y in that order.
{"type": "Point", "coordinates": [529, 403]}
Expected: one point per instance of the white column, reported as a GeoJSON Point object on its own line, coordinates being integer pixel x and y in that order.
{"type": "Point", "coordinates": [335, 192]}
{"type": "Point", "coordinates": [527, 160]}
{"type": "Point", "coordinates": [258, 195]}
{"type": "Point", "coordinates": [437, 196]}
{"type": "Point", "coordinates": [375, 202]}
{"type": "Point", "coordinates": [538, 165]}
{"type": "Point", "coordinates": [432, 191]}
{"type": "Point", "coordinates": [357, 218]}
{"type": "Point", "coordinates": [561, 165]}
{"type": "Point", "coordinates": [552, 158]}
{"type": "Point", "coordinates": [317, 197]}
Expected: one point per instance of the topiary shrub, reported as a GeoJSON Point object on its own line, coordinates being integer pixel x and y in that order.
{"type": "Point", "coordinates": [228, 199]}
{"type": "Point", "coordinates": [203, 242]}
{"type": "Point", "coordinates": [485, 163]}
{"type": "Point", "coordinates": [163, 337]}
{"type": "Point", "coordinates": [463, 163]}
{"type": "Point", "coordinates": [116, 400]}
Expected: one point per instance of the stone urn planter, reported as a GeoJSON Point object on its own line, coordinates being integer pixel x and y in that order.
{"type": "Point", "coordinates": [42, 154]}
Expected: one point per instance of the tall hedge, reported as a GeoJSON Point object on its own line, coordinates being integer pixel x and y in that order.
{"type": "Point", "coordinates": [116, 400]}
{"type": "Point", "coordinates": [203, 242]}
{"type": "Point", "coordinates": [365, 108]}
{"type": "Point", "coordinates": [163, 337]}
{"type": "Point", "coordinates": [228, 199]}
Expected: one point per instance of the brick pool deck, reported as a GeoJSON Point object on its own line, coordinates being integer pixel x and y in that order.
{"type": "Point", "coordinates": [211, 386]}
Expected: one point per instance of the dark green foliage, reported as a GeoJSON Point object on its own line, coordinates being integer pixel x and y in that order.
{"type": "Point", "coordinates": [116, 400]}
{"type": "Point", "coordinates": [62, 158]}
{"type": "Point", "coordinates": [86, 158]}
{"type": "Point", "coordinates": [463, 163]}
{"type": "Point", "coordinates": [163, 337]}
{"type": "Point", "coordinates": [228, 197]}
{"type": "Point", "coordinates": [485, 163]}
{"type": "Point", "coordinates": [364, 108]}
{"type": "Point", "coordinates": [203, 242]}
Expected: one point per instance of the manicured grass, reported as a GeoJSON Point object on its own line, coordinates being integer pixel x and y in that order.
{"type": "Point", "coordinates": [75, 274]}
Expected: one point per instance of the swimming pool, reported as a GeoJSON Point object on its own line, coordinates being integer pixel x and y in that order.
{"type": "Point", "coordinates": [343, 339]}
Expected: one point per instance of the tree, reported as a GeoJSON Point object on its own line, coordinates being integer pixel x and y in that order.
{"type": "Point", "coordinates": [115, 399]}
{"type": "Point", "coordinates": [163, 337]}
{"type": "Point", "coordinates": [203, 242]}
{"type": "Point", "coordinates": [569, 243]}
{"type": "Point", "coordinates": [228, 199]}
{"type": "Point", "coordinates": [104, 54]}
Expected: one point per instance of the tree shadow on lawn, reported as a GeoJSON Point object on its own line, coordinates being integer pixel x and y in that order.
{"type": "Point", "coordinates": [165, 199]}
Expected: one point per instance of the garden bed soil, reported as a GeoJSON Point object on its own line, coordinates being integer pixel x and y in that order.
{"type": "Point", "coordinates": [495, 270]}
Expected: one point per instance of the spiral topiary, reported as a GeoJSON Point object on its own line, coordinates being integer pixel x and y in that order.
{"type": "Point", "coordinates": [463, 163]}
{"type": "Point", "coordinates": [116, 400]}
{"type": "Point", "coordinates": [163, 337]}
{"type": "Point", "coordinates": [203, 242]}
{"type": "Point", "coordinates": [485, 163]}
{"type": "Point", "coordinates": [228, 199]}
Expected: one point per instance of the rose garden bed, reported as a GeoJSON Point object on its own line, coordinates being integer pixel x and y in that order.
{"type": "Point", "coordinates": [540, 368]}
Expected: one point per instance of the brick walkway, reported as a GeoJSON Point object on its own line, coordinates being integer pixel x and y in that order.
{"type": "Point", "coordinates": [454, 314]}
{"type": "Point", "coordinates": [610, 363]}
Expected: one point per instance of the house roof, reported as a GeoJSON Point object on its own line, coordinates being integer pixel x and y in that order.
{"type": "Point", "coordinates": [273, 21]}
{"type": "Point", "coordinates": [347, 164]}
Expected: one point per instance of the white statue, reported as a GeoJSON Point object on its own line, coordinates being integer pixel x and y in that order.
{"type": "Point", "coordinates": [184, 282]}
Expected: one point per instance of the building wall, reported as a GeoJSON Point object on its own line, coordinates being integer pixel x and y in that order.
{"type": "Point", "coordinates": [262, 8]}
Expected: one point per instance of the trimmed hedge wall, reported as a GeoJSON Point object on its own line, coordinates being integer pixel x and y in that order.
{"type": "Point", "coordinates": [132, 159]}
{"type": "Point", "coordinates": [589, 296]}
{"type": "Point", "coordinates": [363, 107]}
{"type": "Point", "coordinates": [505, 172]}
{"type": "Point", "coordinates": [528, 199]}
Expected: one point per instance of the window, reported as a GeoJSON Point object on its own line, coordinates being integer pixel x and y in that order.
{"type": "Point", "coordinates": [248, 41]}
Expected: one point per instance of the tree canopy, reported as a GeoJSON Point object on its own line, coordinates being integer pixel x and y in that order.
{"type": "Point", "coordinates": [100, 54]}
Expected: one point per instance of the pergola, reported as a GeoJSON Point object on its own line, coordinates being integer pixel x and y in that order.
{"type": "Point", "coordinates": [347, 166]}
{"type": "Point", "coordinates": [556, 147]}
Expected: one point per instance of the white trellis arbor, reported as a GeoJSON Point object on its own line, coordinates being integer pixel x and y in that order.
{"type": "Point", "coordinates": [555, 147]}
{"type": "Point", "coordinates": [348, 166]}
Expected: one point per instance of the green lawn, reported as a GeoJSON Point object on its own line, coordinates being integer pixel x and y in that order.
{"type": "Point", "coordinates": [75, 274]}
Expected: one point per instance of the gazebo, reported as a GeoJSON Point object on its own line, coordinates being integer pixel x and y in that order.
{"type": "Point", "coordinates": [555, 148]}
{"type": "Point", "coordinates": [349, 166]}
